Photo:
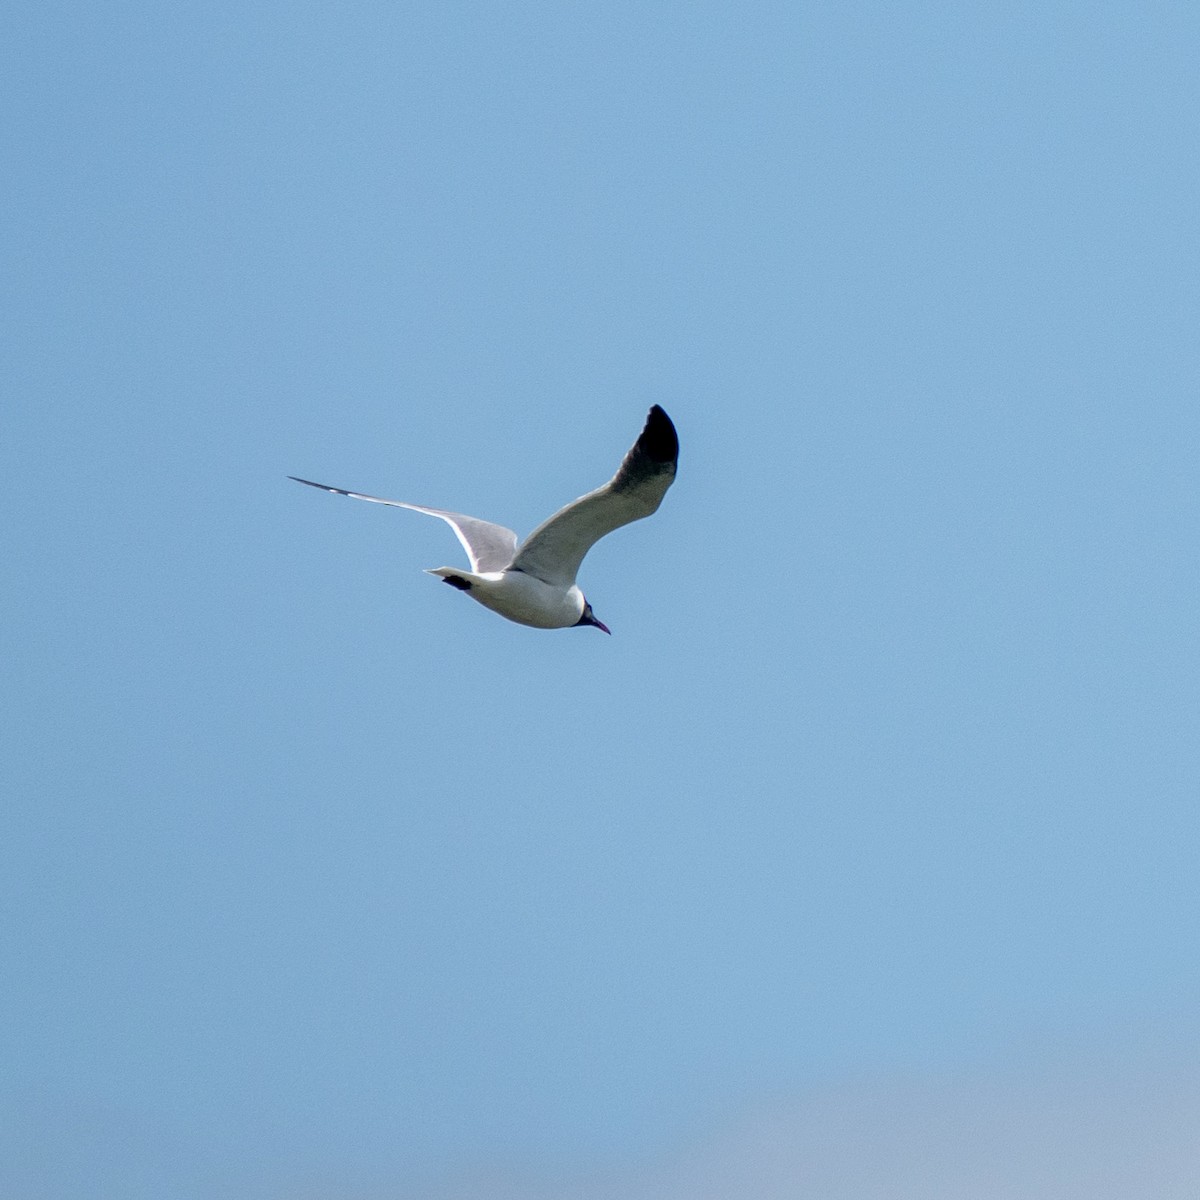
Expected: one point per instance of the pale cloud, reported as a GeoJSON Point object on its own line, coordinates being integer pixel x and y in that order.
{"type": "Point", "coordinates": [1078, 1135]}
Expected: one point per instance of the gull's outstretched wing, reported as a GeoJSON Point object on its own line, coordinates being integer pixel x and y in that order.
{"type": "Point", "coordinates": [489, 547]}
{"type": "Point", "coordinates": [554, 550]}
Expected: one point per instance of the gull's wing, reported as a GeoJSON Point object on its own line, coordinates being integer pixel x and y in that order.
{"type": "Point", "coordinates": [489, 547]}
{"type": "Point", "coordinates": [554, 550]}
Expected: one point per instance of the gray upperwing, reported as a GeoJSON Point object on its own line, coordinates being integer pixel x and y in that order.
{"type": "Point", "coordinates": [555, 549]}
{"type": "Point", "coordinates": [489, 547]}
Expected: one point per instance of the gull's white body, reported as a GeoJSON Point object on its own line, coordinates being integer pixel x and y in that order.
{"type": "Point", "coordinates": [534, 584]}
{"type": "Point", "coordinates": [522, 598]}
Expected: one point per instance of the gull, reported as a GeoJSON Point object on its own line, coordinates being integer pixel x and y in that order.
{"type": "Point", "coordinates": [535, 583]}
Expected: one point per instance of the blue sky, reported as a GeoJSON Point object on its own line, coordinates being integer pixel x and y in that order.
{"type": "Point", "coordinates": [321, 880]}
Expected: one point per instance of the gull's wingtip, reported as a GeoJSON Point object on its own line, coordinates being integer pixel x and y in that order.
{"type": "Point", "coordinates": [324, 487]}
{"type": "Point", "coordinates": [658, 440]}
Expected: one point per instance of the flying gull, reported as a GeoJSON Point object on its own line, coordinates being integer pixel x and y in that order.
{"type": "Point", "coordinates": [535, 584]}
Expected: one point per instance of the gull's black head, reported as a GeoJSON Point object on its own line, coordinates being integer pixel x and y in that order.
{"type": "Point", "coordinates": [589, 618]}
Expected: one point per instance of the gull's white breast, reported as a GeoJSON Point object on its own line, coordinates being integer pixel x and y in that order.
{"type": "Point", "coordinates": [526, 599]}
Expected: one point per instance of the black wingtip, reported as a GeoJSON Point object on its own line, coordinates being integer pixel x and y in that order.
{"type": "Point", "coordinates": [659, 441]}
{"type": "Point", "coordinates": [324, 487]}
